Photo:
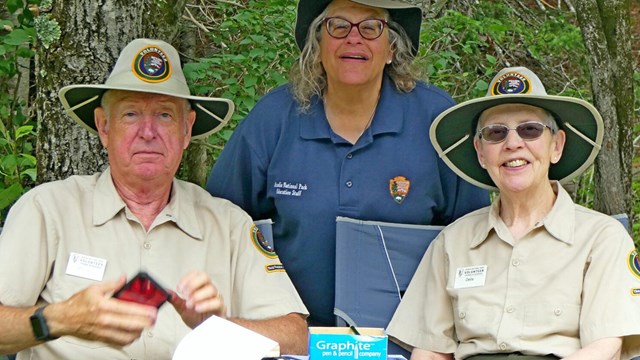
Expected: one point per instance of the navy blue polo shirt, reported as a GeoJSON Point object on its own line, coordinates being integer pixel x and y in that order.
{"type": "Point", "coordinates": [291, 167]}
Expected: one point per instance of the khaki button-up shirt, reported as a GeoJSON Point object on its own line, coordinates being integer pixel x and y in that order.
{"type": "Point", "coordinates": [571, 280]}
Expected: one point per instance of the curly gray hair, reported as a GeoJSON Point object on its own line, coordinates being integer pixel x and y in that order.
{"type": "Point", "coordinates": [309, 79]}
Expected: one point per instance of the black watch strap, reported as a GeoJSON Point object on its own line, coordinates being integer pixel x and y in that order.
{"type": "Point", "coordinates": [39, 325]}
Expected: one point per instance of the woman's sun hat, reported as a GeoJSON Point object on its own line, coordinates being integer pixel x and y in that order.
{"type": "Point", "coordinates": [406, 15]}
{"type": "Point", "coordinates": [150, 66]}
{"type": "Point", "coordinates": [452, 132]}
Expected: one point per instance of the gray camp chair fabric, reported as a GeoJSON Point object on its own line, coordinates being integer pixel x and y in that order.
{"type": "Point", "coordinates": [375, 262]}
{"type": "Point", "coordinates": [624, 220]}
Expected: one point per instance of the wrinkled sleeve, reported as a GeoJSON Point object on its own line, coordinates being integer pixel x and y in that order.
{"type": "Point", "coordinates": [611, 300]}
{"type": "Point", "coordinates": [424, 318]}
{"type": "Point", "coordinates": [261, 287]}
{"type": "Point", "coordinates": [27, 252]}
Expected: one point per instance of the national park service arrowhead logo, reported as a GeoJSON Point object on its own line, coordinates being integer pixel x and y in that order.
{"type": "Point", "coordinates": [399, 188]}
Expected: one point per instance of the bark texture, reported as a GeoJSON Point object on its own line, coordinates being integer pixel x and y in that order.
{"type": "Point", "coordinates": [605, 26]}
{"type": "Point", "coordinates": [92, 35]}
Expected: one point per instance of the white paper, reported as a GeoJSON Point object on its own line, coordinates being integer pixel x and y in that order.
{"type": "Point", "coordinates": [217, 338]}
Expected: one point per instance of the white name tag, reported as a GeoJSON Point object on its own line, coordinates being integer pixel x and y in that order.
{"type": "Point", "coordinates": [471, 276]}
{"type": "Point", "coordinates": [86, 266]}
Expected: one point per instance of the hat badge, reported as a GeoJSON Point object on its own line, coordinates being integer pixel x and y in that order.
{"type": "Point", "coordinates": [151, 65]}
{"type": "Point", "coordinates": [511, 83]}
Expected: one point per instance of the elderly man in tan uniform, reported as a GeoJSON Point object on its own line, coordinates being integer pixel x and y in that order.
{"type": "Point", "coordinates": [67, 246]}
{"type": "Point", "coordinates": [533, 276]}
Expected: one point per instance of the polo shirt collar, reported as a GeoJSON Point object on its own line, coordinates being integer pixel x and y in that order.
{"type": "Point", "coordinates": [107, 203]}
{"type": "Point", "coordinates": [388, 118]}
{"type": "Point", "coordinates": [559, 222]}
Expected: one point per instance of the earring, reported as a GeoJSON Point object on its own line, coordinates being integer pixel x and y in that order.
{"type": "Point", "coordinates": [389, 62]}
{"type": "Point", "coordinates": [482, 165]}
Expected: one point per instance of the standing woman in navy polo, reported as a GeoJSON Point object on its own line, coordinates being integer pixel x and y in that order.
{"type": "Point", "coordinates": [347, 137]}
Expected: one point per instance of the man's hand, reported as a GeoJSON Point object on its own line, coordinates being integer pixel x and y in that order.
{"type": "Point", "coordinates": [92, 314]}
{"type": "Point", "coordinates": [197, 299]}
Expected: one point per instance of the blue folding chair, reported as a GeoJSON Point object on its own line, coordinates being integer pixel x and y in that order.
{"type": "Point", "coordinates": [375, 262]}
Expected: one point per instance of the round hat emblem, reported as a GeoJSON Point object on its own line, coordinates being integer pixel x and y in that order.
{"type": "Point", "coordinates": [151, 65]}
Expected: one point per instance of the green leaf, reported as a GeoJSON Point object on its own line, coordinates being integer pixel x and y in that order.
{"type": "Point", "coordinates": [23, 131]}
{"type": "Point", "coordinates": [10, 194]}
{"type": "Point", "coordinates": [14, 5]}
{"type": "Point", "coordinates": [17, 37]}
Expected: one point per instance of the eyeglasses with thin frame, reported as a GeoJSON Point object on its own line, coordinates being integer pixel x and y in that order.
{"type": "Point", "coordinates": [340, 28]}
{"type": "Point", "coordinates": [497, 133]}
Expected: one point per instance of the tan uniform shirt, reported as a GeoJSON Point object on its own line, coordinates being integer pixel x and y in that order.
{"type": "Point", "coordinates": [84, 215]}
{"type": "Point", "coordinates": [571, 280]}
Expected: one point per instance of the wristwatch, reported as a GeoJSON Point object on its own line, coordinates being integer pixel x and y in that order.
{"type": "Point", "coordinates": [39, 325]}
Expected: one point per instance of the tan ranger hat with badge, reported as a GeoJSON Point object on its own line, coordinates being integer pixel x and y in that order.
{"type": "Point", "coordinates": [452, 132]}
{"type": "Point", "coordinates": [151, 66]}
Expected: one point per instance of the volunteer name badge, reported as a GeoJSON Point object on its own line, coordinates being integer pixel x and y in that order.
{"type": "Point", "coordinates": [471, 276]}
{"type": "Point", "coordinates": [85, 266]}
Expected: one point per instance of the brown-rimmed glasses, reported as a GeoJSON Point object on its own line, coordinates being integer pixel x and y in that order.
{"type": "Point", "coordinates": [340, 28]}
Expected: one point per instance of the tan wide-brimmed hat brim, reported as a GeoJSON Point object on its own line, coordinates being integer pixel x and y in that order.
{"type": "Point", "coordinates": [132, 73]}
{"type": "Point", "coordinates": [452, 134]}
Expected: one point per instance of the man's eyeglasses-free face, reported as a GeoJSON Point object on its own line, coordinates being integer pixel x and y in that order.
{"type": "Point", "coordinates": [340, 28]}
{"type": "Point", "coordinates": [497, 132]}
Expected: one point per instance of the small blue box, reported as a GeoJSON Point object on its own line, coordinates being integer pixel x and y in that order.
{"type": "Point", "coordinates": [340, 343]}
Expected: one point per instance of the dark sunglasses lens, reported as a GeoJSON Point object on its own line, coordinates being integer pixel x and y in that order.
{"type": "Point", "coordinates": [530, 131]}
{"type": "Point", "coordinates": [494, 133]}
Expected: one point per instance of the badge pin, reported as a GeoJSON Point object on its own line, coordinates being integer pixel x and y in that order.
{"type": "Point", "coordinates": [151, 65]}
{"type": "Point", "coordinates": [399, 188]}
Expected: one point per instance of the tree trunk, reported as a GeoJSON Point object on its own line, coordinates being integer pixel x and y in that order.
{"type": "Point", "coordinates": [92, 35]}
{"type": "Point", "coordinates": [605, 26]}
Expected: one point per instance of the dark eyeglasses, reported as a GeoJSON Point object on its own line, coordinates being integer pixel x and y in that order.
{"type": "Point", "coordinates": [340, 28]}
{"type": "Point", "coordinates": [497, 132]}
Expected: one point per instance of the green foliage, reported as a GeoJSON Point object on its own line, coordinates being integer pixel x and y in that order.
{"type": "Point", "coordinates": [254, 48]}
{"type": "Point", "coordinates": [462, 52]}
{"type": "Point", "coordinates": [17, 136]}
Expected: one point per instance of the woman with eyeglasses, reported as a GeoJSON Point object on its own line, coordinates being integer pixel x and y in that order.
{"type": "Point", "coordinates": [348, 136]}
{"type": "Point", "coordinates": [533, 276]}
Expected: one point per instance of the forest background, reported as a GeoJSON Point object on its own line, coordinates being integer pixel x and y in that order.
{"type": "Point", "coordinates": [241, 49]}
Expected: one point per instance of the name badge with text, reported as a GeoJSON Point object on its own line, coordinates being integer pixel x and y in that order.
{"type": "Point", "coordinates": [86, 266]}
{"type": "Point", "coordinates": [471, 276]}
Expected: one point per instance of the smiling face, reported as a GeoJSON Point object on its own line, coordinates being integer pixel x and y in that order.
{"type": "Point", "coordinates": [145, 134]}
{"type": "Point", "coordinates": [514, 164]}
{"type": "Point", "coordinates": [354, 60]}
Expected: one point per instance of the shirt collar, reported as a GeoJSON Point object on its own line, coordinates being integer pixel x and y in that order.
{"type": "Point", "coordinates": [559, 222]}
{"type": "Point", "coordinates": [107, 203]}
{"type": "Point", "coordinates": [388, 118]}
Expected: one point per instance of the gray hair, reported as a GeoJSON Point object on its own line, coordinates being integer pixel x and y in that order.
{"type": "Point", "coordinates": [309, 78]}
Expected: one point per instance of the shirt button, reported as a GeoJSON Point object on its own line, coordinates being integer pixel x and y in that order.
{"type": "Point", "coordinates": [557, 312]}
{"type": "Point", "coordinates": [149, 334]}
{"type": "Point", "coordinates": [462, 314]}
{"type": "Point", "coordinates": [515, 262]}
{"type": "Point", "coordinates": [349, 184]}
{"type": "Point", "coordinates": [503, 346]}
{"type": "Point", "coordinates": [147, 245]}
{"type": "Point", "coordinates": [349, 155]}
{"type": "Point", "coordinates": [511, 309]}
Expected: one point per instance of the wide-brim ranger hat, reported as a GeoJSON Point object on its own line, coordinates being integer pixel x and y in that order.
{"type": "Point", "coordinates": [452, 132]}
{"type": "Point", "coordinates": [150, 66]}
{"type": "Point", "coordinates": [406, 15]}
